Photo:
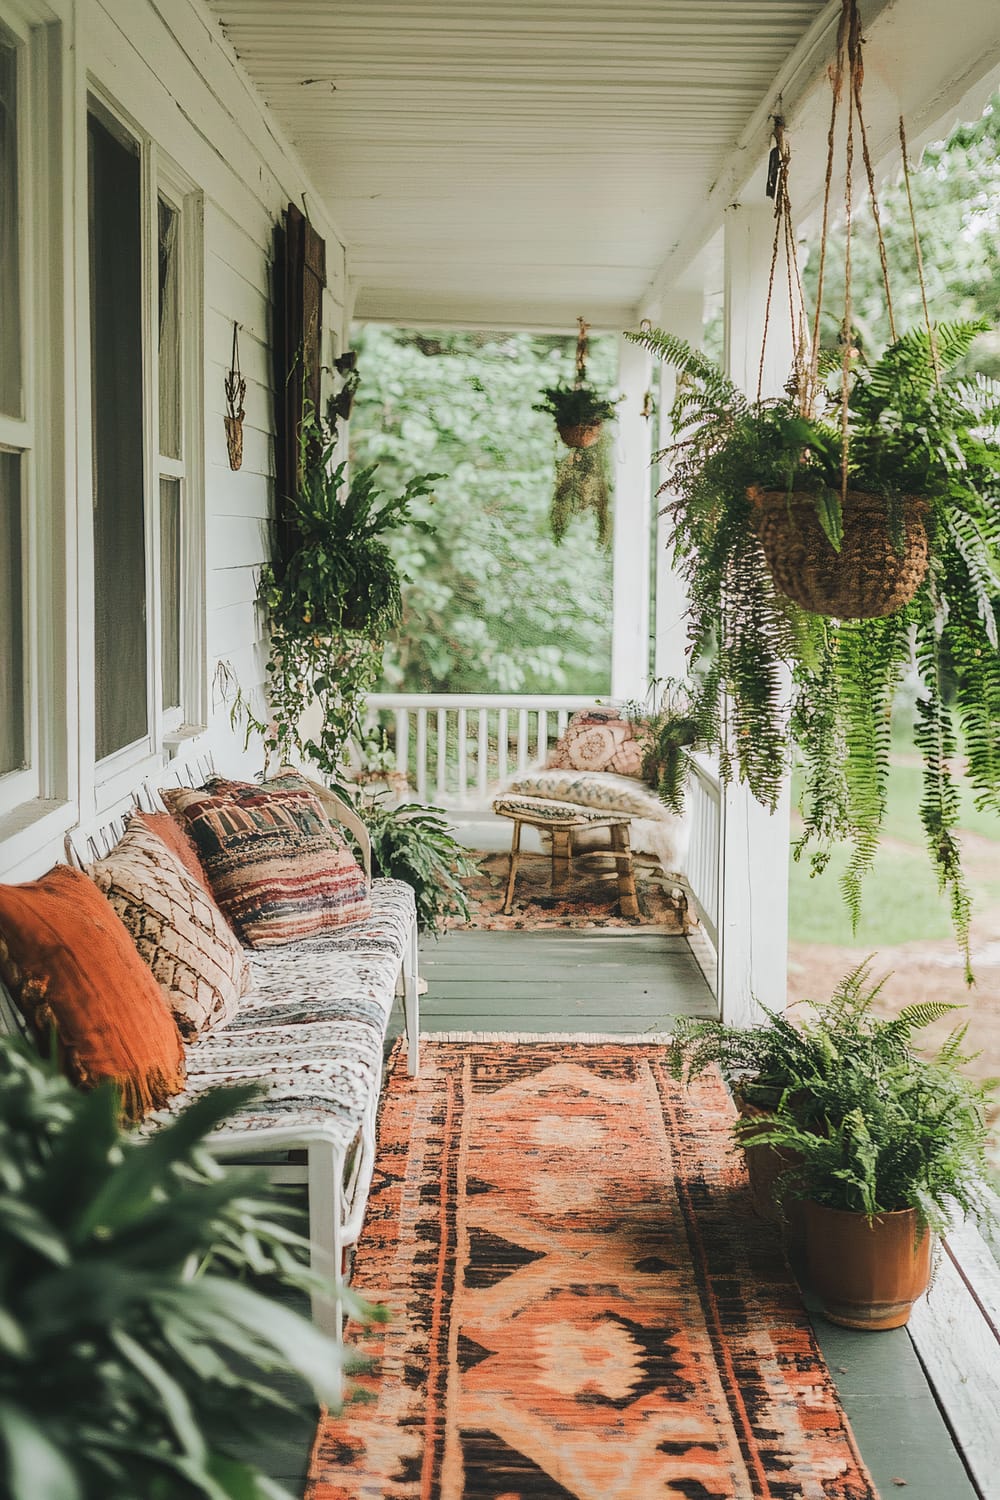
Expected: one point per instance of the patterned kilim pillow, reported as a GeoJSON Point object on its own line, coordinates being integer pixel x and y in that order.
{"type": "Point", "coordinates": [599, 739]}
{"type": "Point", "coordinates": [176, 926]}
{"type": "Point", "coordinates": [277, 868]}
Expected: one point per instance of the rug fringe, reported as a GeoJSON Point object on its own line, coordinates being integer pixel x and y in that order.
{"type": "Point", "coordinates": [599, 1038]}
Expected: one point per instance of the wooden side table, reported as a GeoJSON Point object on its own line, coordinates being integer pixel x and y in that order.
{"type": "Point", "coordinates": [561, 820]}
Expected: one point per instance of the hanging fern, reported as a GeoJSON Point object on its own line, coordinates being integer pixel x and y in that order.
{"type": "Point", "coordinates": [910, 433]}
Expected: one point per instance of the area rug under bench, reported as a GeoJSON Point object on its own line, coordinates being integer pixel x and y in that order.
{"type": "Point", "coordinates": [583, 1305]}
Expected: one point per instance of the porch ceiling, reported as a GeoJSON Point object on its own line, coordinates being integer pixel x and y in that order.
{"type": "Point", "coordinates": [517, 162]}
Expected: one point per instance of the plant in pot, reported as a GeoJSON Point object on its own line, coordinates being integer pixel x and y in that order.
{"type": "Point", "coordinates": [665, 730]}
{"type": "Point", "coordinates": [330, 602]}
{"type": "Point", "coordinates": [580, 412]}
{"type": "Point", "coordinates": [416, 844]}
{"type": "Point", "coordinates": [583, 476]}
{"type": "Point", "coordinates": [141, 1355]}
{"type": "Point", "coordinates": [855, 534]}
{"type": "Point", "coordinates": [893, 1145]}
{"type": "Point", "coordinates": [779, 1063]}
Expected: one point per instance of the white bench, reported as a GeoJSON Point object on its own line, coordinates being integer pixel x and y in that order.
{"type": "Point", "coordinates": [311, 1033]}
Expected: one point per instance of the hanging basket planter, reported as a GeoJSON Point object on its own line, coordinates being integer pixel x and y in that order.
{"type": "Point", "coordinates": [583, 435]}
{"type": "Point", "coordinates": [875, 573]}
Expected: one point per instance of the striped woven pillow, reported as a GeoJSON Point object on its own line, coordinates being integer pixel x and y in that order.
{"type": "Point", "coordinates": [276, 867]}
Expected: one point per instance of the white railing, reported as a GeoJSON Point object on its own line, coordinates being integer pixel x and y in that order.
{"type": "Point", "coordinates": [459, 749]}
{"type": "Point", "coordinates": [704, 795]}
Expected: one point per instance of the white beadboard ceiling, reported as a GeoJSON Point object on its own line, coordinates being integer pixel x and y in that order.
{"type": "Point", "coordinates": [522, 161]}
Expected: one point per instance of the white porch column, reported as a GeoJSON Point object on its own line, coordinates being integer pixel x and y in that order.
{"type": "Point", "coordinates": [753, 897]}
{"type": "Point", "coordinates": [632, 529]}
{"type": "Point", "coordinates": [682, 313]}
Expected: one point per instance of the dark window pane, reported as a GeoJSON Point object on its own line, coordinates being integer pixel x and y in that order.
{"type": "Point", "coordinates": [170, 591]}
{"type": "Point", "coordinates": [119, 511]}
{"type": "Point", "coordinates": [10, 250]}
{"type": "Point", "coordinates": [169, 332]}
{"type": "Point", "coordinates": [13, 739]}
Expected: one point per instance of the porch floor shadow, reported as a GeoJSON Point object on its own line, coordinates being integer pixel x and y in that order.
{"type": "Point", "coordinates": [631, 983]}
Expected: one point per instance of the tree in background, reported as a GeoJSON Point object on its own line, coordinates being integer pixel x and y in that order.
{"type": "Point", "coordinates": [493, 604]}
{"type": "Point", "coordinates": [956, 200]}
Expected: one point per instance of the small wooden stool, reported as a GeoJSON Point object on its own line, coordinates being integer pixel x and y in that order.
{"type": "Point", "coordinates": [562, 820]}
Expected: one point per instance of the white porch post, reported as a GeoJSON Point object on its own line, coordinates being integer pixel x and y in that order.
{"type": "Point", "coordinates": [682, 313]}
{"type": "Point", "coordinates": [632, 529]}
{"type": "Point", "coordinates": [753, 896]}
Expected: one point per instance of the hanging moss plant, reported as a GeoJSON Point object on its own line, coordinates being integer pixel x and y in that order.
{"type": "Point", "coordinates": [583, 485]}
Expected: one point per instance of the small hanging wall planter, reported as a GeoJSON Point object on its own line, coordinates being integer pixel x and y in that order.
{"type": "Point", "coordinates": [346, 365]}
{"type": "Point", "coordinates": [236, 389]}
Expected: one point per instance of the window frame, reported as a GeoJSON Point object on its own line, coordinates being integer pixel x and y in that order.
{"type": "Point", "coordinates": [160, 177]}
{"type": "Point", "coordinates": [18, 434]}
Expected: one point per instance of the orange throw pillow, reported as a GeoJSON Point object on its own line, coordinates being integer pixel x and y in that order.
{"type": "Point", "coordinates": [70, 964]}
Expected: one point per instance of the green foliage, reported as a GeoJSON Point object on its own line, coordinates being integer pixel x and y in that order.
{"type": "Point", "coordinates": [576, 405]}
{"type": "Point", "coordinates": [415, 844]}
{"type": "Point", "coordinates": [876, 1126]}
{"type": "Point", "coordinates": [909, 434]}
{"type": "Point", "coordinates": [777, 1059]}
{"type": "Point", "coordinates": [666, 731]}
{"type": "Point", "coordinates": [886, 1130]}
{"type": "Point", "coordinates": [492, 604]}
{"type": "Point", "coordinates": [332, 601]}
{"type": "Point", "coordinates": [135, 1358]}
{"type": "Point", "coordinates": [584, 485]}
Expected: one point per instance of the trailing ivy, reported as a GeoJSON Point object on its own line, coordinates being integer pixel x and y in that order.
{"type": "Point", "coordinates": [915, 429]}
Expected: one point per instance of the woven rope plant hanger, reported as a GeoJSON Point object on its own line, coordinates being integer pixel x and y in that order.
{"type": "Point", "coordinates": [856, 554]}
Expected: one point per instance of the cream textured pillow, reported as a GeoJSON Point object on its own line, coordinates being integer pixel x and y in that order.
{"type": "Point", "coordinates": [177, 928]}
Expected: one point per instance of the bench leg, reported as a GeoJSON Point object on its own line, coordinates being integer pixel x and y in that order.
{"type": "Point", "coordinates": [628, 901]}
{"type": "Point", "coordinates": [326, 1234]}
{"type": "Point", "coordinates": [515, 854]}
{"type": "Point", "coordinates": [411, 1002]}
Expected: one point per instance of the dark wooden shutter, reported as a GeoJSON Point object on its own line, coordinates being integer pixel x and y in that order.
{"type": "Point", "coordinates": [300, 276]}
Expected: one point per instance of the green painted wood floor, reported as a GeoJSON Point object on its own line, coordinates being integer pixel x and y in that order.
{"type": "Point", "coordinates": [632, 983]}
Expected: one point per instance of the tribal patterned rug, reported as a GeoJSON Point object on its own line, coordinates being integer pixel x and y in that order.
{"type": "Point", "coordinates": [583, 1305]}
{"type": "Point", "coordinates": [590, 898]}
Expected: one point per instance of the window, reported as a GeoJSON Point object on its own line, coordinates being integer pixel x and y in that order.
{"type": "Point", "coordinates": [144, 362]}
{"type": "Point", "coordinates": [18, 757]}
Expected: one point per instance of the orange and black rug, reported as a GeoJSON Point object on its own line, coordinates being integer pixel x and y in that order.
{"type": "Point", "coordinates": [583, 1305]}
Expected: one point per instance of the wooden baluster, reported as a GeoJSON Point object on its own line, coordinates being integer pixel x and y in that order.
{"type": "Point", "coordinates": [522, 740]}
{"type": "Point", "coordinates": [502, 746]}
{"type": "Point", "coordinates": [421, 755]}
{"type": "Point", "coordinates": [483, 755]}
{"type": "Point", "coordinates": [442, 754]}
{"type": "Point", "coordinates": [463, 756]}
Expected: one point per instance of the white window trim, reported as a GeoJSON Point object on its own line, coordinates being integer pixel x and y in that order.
{"type": "Point", "coordinates": [18, 434]}
{"type": "Point", "coordinates": [160, 175]}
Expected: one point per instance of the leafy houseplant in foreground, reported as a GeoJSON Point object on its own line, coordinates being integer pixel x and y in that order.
{"type": "Point", "coordinates": [331, 601]}
{"type": "Point", "coordinates": [914, 429]}
{"type": "Point", "coordinates": [136, 1361]}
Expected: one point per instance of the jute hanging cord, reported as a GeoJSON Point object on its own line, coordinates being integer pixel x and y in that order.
{"type": "Point", "coordinates": [854, 563]}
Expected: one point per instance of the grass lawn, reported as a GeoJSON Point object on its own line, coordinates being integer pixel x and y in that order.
{"type": "Point", "coordinates": [901, 902]}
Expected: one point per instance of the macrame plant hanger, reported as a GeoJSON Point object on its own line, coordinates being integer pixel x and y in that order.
{"type": "Point", "coordinates": [236, 389]}
{"type": "Point", "coordinates": [886, 574]}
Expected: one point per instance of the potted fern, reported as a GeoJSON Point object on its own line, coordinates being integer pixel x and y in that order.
{"type": "Point", "coordinates": [917, 428]}
{"type": "Point", "coordinates": [891, 1146]}
{"type": "Point", "coordinates": [580, 412]}
{"type": "Point", "coordinates": [786, 1065]}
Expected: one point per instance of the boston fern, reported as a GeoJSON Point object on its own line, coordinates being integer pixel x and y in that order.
{"type": "Point", "coordinates": [331, 601]}
{"type": "Point", "coordinates": [415, 844]}
{"type": "Point", "coordinates": [914, 428]}
{"type": "Point", "coordinates": [136, 1357]}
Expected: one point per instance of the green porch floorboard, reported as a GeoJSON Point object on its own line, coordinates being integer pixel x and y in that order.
{"type": "Point", "coordinates": [630, 983]}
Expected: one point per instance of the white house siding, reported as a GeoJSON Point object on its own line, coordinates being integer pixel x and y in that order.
{"type": "Point", "coordinates": [166, 67]}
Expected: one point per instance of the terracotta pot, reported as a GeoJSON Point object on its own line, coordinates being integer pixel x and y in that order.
{"type": "Point", "coordinates": [583, 436]}
{"type": "Point", "coordinates": [765, 1164]}
{"type": "Point", "coordinates": [868, 1275]}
